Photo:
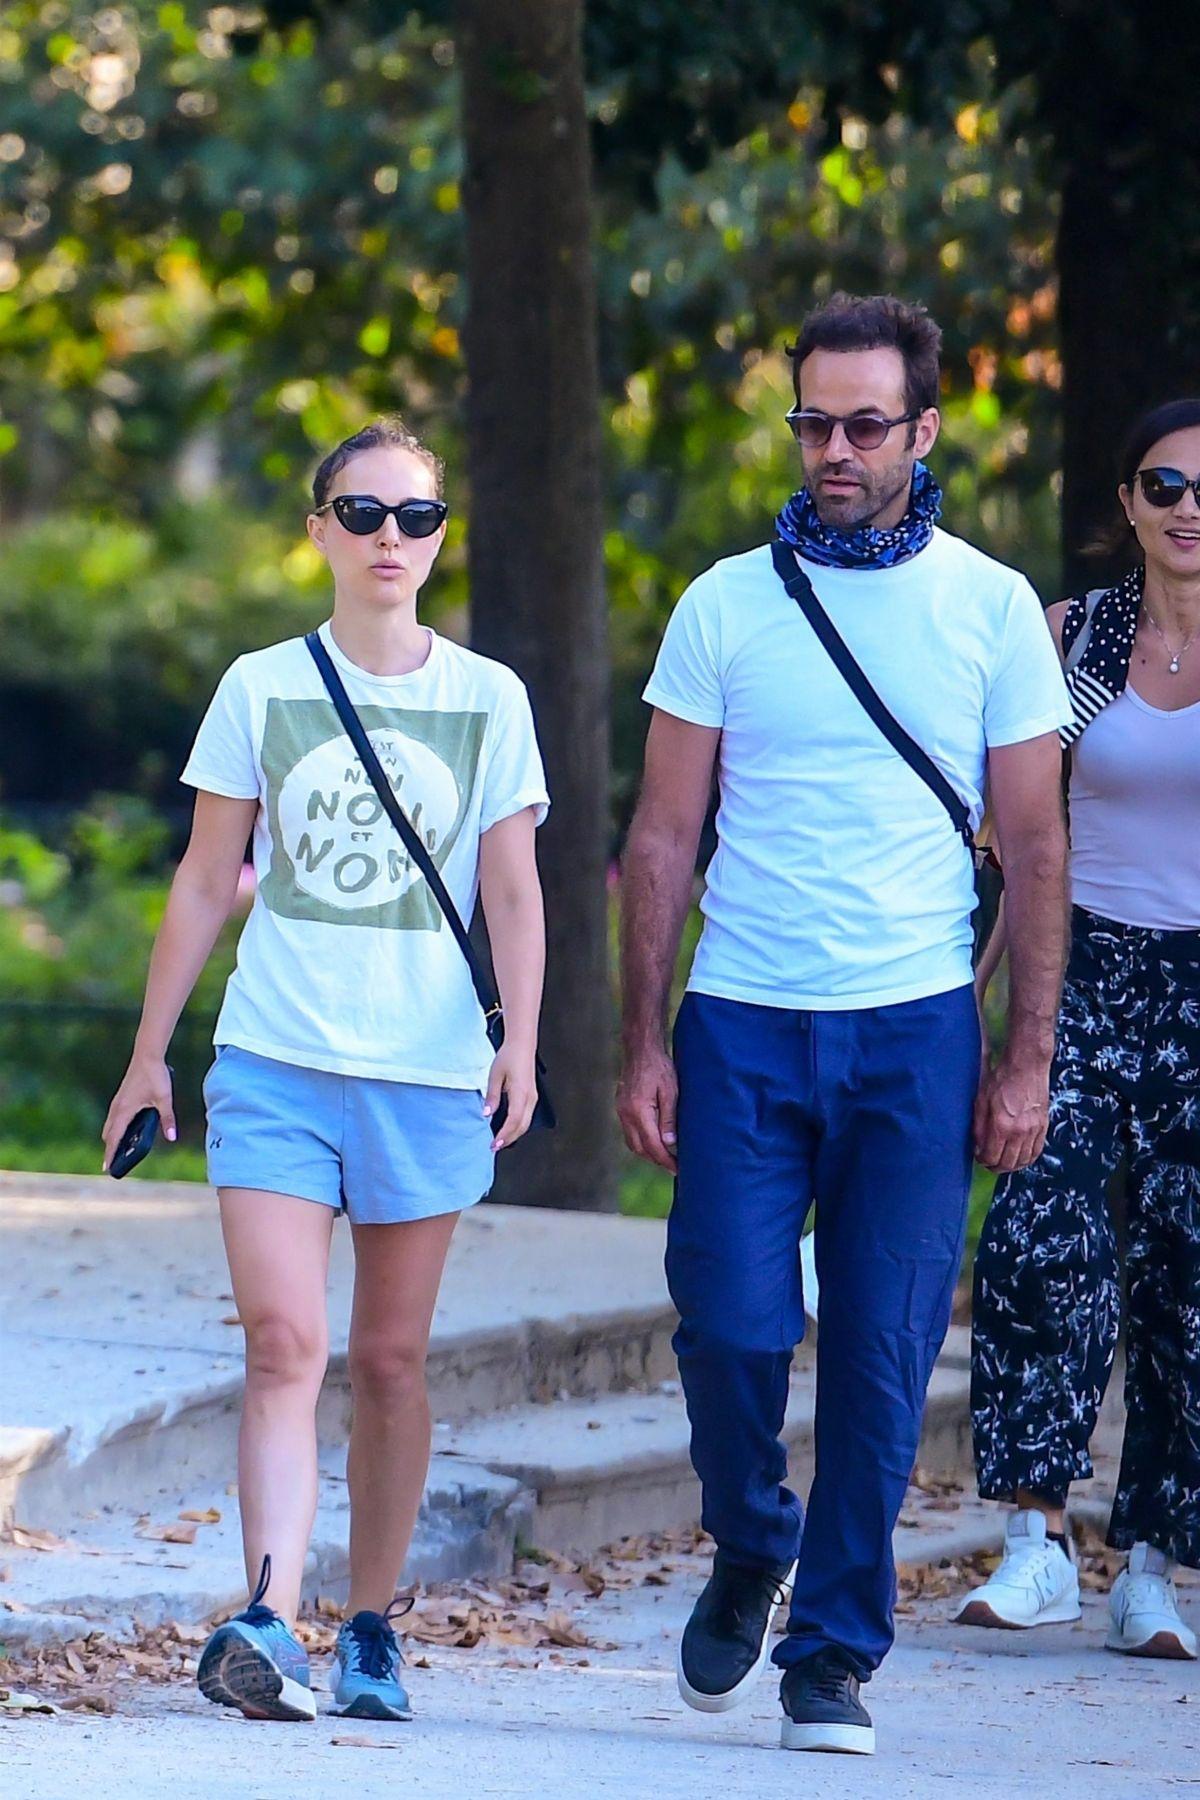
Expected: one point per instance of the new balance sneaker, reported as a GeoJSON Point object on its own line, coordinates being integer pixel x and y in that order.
{"type": "Point", "coordinates": [727, 1640]}
{"type": "Point", "coordinates": [1036, 1583]}
{"type": "Point", "coordinates": [255, 1663]}
{"type": "Point", "coordinates": [366, 1665]}
{"type": "Point", "coordinates": [822, 1710]}
{"type": "Point", "coordinates": [1144, 1610]}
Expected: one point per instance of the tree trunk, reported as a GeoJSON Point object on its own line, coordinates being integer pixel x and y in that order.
{"type": "Point", "coordinates": [1129, 315]}
{"type": "Point", "coordinates": [536, 540]}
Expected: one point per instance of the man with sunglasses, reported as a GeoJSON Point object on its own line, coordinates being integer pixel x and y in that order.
{"type": "Point", "coordinates": [828, 1047]}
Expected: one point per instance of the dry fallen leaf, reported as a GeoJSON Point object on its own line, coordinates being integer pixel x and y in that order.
{"type": "Point", "coordinates": [210, 1516]}
{"type": "Point", "coordinates": [583, 1580]}
{"type": "Point", "coordinates": [231, 1319]}
{"type": "Point", "coordinates": [13, 1701]}
{"type": "Point", "coordinates": [89, 1700]}
{"type": "Point", "coordinates": [29, 1537]}
{"type": "Point", "coordinates": [175, 1533]}
{"type": "Point", "coordinates": [190, 1634]}
{"type": "Point", "coordinates": [562, 1630]}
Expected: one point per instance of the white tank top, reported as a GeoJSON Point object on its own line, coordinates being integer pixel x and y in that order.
{"type": "Point", "coordinates": [1135, 815]}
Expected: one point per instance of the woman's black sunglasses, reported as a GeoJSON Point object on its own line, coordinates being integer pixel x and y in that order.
{"type": "Point", "coordinates": [1166, 487]}
{"type": "Point", "coordinates": [363, 514]}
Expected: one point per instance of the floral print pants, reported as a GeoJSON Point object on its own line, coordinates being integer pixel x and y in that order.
{"type": "Point", "coordinates": [1047, 1304]}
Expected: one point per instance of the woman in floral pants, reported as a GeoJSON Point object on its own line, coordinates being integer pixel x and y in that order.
{"type": "Point", "coordinates": [1125, 1083]}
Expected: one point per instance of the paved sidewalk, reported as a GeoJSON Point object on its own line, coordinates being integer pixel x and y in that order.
{"type": "Point", "coordinates": [993, 1715]}
{"type": "Point", "coordinates": [559, 1414]}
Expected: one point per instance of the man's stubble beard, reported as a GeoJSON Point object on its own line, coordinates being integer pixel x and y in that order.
{"type": "Point", "coordinates": [875, 496]}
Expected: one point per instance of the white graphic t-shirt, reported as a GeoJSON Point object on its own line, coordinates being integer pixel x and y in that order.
{"type": "Point", "coordinates": [838, 880]}
{"type": "Point", "coordinates": [346, 962]}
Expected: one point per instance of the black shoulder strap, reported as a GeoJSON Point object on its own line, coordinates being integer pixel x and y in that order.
{"type": "Point", "coordinates": [801, 590]}
{"type": "Point", "coordinates": [355, 731]}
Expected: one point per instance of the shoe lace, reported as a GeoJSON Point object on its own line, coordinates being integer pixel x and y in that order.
{"type": "Point", "coordinates": [829, 1680]}
{"type": "Point", "coordinates": [374, 1642]}
{"type": "Point", "coordinates": [258, 1613]}
{"type": "Point", "coordinates": [733, 1590]}
{"type": "Point", "coordinates": [1147, 1591]}
{"type": "Point", "coordinates": [1026, 1558]}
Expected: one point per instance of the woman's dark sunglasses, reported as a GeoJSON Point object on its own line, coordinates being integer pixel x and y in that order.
{"type": "Point", "coordinates": [866, 431]}
{"type": "Point", "coordinates": [1166, 487]}
{"type": "Point", "coordinates": [363, 514]}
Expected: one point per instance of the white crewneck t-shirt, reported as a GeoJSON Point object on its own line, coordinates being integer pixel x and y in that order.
{"type": "Point", "coordinates": [838, 880]}
{"type": "Point", "coordinates": [345, 962]}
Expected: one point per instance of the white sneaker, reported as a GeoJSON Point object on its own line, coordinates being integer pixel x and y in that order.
{"type": "Point", "coordinates": [1036, 1583]}
{"type": "Point", "coordinates": [1145, 1611]}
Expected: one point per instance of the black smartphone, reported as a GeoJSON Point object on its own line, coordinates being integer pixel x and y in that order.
{"type": "Point", "coordinates": [136, 1143]}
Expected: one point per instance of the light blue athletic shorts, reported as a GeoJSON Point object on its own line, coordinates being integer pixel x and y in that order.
{"type": "Point", "coordinates": [381, 1151]}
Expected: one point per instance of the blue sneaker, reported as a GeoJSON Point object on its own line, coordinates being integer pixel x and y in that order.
{"type": "Point", "coordinates": [253, 1662]}
{"type": "Point", "coordinates": [366, 1661]}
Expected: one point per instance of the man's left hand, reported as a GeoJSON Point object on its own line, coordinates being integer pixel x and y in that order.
{"type": "Point", "coordinates": [1012, 1112]}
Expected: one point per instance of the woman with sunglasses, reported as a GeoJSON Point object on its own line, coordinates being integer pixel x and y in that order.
{"type": "Point", "coordinates": [1126, 1081]}
{"type": "Point", "coordinates": [353, 1071]}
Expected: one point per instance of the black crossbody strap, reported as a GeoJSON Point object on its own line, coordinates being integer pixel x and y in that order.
{"type": "Point", "coordinates": [801, 590]}
{"type": "Point", "coordinates": [407, 832]}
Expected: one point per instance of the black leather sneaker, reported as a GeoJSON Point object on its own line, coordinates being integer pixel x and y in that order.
{"type": "Point", "coordinates": [822, 1710]}
{"type": "Point", "coordinates": [727, 1639]}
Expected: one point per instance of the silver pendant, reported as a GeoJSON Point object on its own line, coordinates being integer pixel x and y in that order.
{"type": "Point", "coordinates": [1174, 665]}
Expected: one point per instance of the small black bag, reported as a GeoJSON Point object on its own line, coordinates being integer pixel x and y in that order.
{"type": "Point", "coordinates": [493, 1012]}
{"type": "Point", "coordinates": [989, 877]}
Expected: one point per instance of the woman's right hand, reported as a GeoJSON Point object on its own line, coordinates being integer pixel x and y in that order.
{"type": "Point", "coordinates": [147, 1083]}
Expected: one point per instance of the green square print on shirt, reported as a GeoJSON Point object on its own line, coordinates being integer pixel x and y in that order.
{"type": "Point", "coordinates": [335, 855]}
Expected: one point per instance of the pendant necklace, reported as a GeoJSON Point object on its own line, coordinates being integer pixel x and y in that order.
{"type": "Point", "coordinates": [1173, 665]}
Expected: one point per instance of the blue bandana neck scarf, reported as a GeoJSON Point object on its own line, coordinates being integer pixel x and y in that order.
{"type": "Point", "coordinates": [865, 548]}
{"type": "Point", "coordinates": [1098, 675]}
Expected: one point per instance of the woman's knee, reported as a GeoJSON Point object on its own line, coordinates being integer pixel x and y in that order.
{"type": "Point", "coordinates": [284, 1352]}
{"type": "Point", "coordinates": [389, 1371]}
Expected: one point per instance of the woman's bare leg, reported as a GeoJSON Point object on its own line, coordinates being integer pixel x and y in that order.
{"type": "Point", "coordinates": [398, 1270]}
{"type": "Point", "coordinates": [278, 1250]}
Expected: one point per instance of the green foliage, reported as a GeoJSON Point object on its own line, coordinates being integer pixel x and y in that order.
{"type": "Point", "coordinates": [76, 925]}
{"type": "Point", "coordinates": [214, 262]}
{"type": "Point", "coordinates": [77, 922]}
{"type": "Point", "coordinates": [116, 634]}
{"type": "Point", "coordinates": [643, 1191]}
{"type": "Point", "coordinates": [165, 342]}
{"type": "Point", "coordinates": [83, 1156]}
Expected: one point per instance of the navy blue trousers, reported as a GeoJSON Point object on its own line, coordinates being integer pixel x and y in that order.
{"type": "Point", "coordinates": [868, 1113]}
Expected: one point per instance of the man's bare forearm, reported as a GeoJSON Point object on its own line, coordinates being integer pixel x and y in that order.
{"type": "Point", "coordinates": [656, 887]}
{"type": "Point", "coordinates": [1035, 909]}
